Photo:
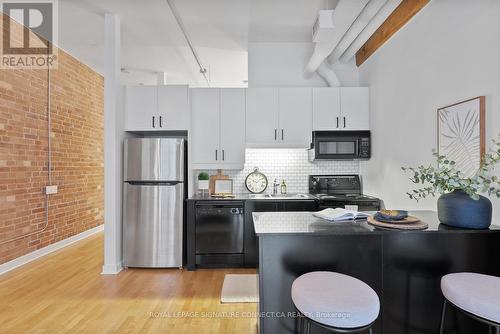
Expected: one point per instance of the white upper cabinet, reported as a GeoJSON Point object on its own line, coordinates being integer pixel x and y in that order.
{"type": "Point", "coordinates": [295, 117]}
{"type": "Point", "coordinates": [141, 104]}
{"type": "Point", "coordinates": [156, 108]}
{"type": "Point", "coordinates": [262, 117]}
{"type": "Point", "coordinates": [232, 124]}
{"type": "Point", "coordinates": [355, 108]}
{"type": "Point", "coordinates": [345, 108]}
{"type": "Point", "coordinates": [205, 125]}
{"type": "Point", "coordinates": [218, 128]}
{"type": "Point", "coordinates": [173, 107]}
{"type": "Point", "coordinates": [326, 108]}
{"type": "Point", "coordinates": [279, 117]}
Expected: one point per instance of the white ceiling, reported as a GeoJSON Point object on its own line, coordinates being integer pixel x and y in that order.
{"type": "Point", "coordinates": [152, 42]}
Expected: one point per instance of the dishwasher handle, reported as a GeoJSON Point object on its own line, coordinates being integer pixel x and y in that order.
{"type": "Point", "coordinates": [219, 204]}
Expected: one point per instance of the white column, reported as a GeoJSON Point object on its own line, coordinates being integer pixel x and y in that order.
{"type": "Point", "coordinates": [113, 134]}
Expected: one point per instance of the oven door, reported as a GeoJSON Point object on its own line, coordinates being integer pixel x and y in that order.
{"type": "Point", "coordinates": [336, 148]}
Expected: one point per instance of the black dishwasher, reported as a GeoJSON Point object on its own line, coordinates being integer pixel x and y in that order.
{"type": "Point", "coordinates": [219, 233]}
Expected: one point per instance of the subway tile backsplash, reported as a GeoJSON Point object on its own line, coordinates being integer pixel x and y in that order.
{"type": "Point", "coordinates": [289, 164]}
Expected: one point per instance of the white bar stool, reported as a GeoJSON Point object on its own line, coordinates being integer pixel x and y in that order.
{"type": "Point", "coordinates": [476, 295]}
{"type": "Point", "coordinates": [338, 302]}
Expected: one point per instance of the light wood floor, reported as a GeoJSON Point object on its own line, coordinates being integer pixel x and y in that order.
{"type": "Point", "coordinates": [65, 293]}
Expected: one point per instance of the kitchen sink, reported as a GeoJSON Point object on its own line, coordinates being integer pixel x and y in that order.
{"type": "Point", "coordinates": [280, 196]}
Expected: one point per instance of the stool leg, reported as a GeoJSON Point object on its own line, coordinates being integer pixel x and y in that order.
{"type": "Point", "coordinates": [443, 312]}
{"type": "Point", "coordinates": [308, 327]}
{"type": "Point", "coordinates": [497, 330]}
{"type": "Point", "coordinates": [370, 330]}
{"type": "Point", "coordinates": [457, 321]}
{"type": "Point", "coordinates": [298, 329]}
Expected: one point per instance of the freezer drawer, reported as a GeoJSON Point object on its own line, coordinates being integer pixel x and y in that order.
{"type": "Point", "coordinates": [152, 225]}
{"type": "Point", "coordinates": [154, 159]}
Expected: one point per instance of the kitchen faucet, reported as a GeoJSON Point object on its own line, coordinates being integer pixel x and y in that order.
{"type": "Point", "coordinates": [275, 187]}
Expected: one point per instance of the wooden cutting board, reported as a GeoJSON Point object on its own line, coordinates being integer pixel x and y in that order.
{"type": "Point", "coordinates": [418, 225]}
{"type": "Point", "coordinates": [211, 182]}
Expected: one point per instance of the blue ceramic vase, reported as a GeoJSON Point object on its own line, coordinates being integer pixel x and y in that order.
{"type": "Point", "coordinates": [457, 209]}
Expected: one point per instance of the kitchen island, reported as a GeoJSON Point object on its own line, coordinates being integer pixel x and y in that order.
{"type": "Point", "coordinates": [403, 267]}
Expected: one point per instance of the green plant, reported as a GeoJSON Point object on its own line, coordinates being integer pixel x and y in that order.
{"type": "Point", "coordinates": [446, 177]}
{"type": "Point", "coordinates": [203, 176]}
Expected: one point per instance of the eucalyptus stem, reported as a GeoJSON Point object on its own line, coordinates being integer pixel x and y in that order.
{"type": "Point", "coordinates": [446, 177]}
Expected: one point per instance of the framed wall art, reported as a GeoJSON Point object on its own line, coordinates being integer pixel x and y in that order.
{"type": "Point", "coordinates": [461, 134]}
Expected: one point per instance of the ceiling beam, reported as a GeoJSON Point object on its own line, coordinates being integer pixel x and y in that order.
{"type": "Point", "coordinates": [398, 18]}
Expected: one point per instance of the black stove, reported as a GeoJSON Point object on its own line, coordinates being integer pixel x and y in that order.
{"type": "Point", "coordinates": [337, 191]}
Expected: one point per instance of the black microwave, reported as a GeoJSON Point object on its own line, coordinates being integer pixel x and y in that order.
{"type": "Point", "coordinates": [340, 145]}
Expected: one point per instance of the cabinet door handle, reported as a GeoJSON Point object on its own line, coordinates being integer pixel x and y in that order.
{"type": "Point", "coordinates": [337, 122]}
{"type": "Point", "coordinates": [223, 157]}
{"type": "Point", "coordinates": [161, 125]}
{"type": "Point", "coordinates": [216, 155]}
{"type": "Point", "coordinates": [154, 123]}
{"type": "Point", "coordinates": [344, 122]}
{"type": "Point", "coordinates": [282, 135]}
{"type": "Point", "coordinates": [275, 134]}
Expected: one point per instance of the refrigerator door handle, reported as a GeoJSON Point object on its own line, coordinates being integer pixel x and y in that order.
{"type": "Point", "coordinates": [154, 183]}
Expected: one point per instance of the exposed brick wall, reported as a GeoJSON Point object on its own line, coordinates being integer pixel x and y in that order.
{"type": "Point", "coordinates": [77, 135]}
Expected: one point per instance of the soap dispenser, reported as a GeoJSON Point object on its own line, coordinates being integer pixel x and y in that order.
{"type": "Point", "coordinates": [283, 187]}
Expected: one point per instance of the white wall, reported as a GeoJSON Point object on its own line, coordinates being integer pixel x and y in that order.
{"type": "Point", "coordinates": [282, 64]}
{"type": "Point", "coordinates": [447, 53]}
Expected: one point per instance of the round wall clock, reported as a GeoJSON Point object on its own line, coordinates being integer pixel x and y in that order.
{"type": "Point", "coordinates": [256, 182]}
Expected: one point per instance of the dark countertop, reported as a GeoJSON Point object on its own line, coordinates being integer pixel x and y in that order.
{"type": "Point", "coordinates": [251, 197]}
{"type": "Point", "coordinates": [292, 223]}
{"type": "Point", "coordinates": [237, 197]}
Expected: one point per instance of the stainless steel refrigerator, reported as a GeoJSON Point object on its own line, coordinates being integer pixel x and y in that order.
{"type": "Point", "coordinates": [153, 202]}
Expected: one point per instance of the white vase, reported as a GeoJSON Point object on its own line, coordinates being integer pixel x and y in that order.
{"type": "Point", "coordinates": [203, 184]}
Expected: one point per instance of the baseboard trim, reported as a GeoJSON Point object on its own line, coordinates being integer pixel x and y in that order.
{"type": "Point", "coordinates": [111, 269]}
{"type": "Point", "coordinates": [22, 260]}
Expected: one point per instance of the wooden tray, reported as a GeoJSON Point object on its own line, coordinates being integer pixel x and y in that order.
{"type": "Point", "coordinates": [211, 183]}
{"type": "Point", "coordinates": [407, 220]}
{"type": "Point", "coordinates": [418, 225]}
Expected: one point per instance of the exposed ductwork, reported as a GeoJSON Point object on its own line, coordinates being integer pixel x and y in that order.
{"type": "Point", "coordinates": [367, 32]}
{"type": "Point", "coordinates": [341, 18]}
{"type": "Point", "coordinates": [364, 18]}
{"type": "Point", "coordinates": [353, 22]}
{"type": "Point", "coordinates": [327, 73]}
{"type": "Point", "coordinates": [321, 51]}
